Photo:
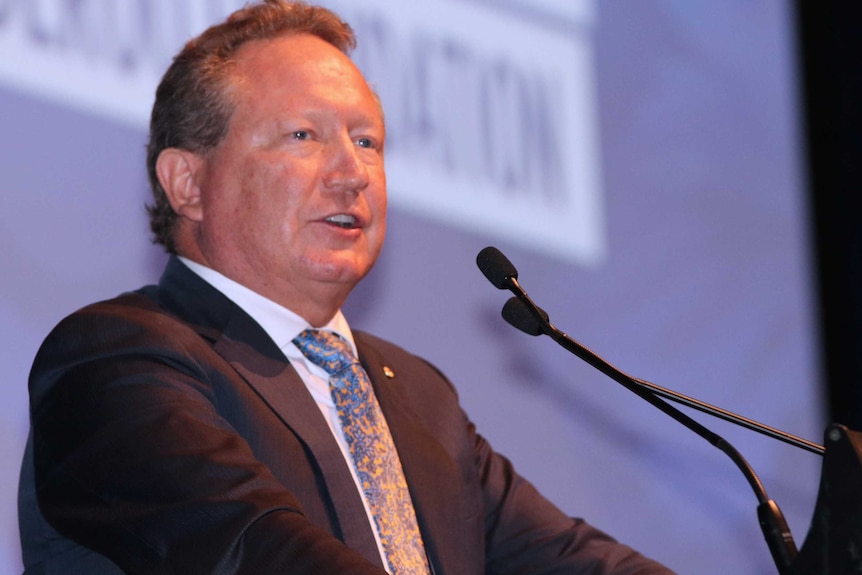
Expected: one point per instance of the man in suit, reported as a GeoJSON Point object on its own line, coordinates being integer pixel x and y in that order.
{"type": "Point", "coordinates": [184, 429]}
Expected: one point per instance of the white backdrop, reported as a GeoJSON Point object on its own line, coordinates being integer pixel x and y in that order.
{"type": "Point", "coordinates": [639, 162]}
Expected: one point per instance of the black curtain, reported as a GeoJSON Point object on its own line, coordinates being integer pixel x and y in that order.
{"type": "Point", "coordinates": [830, 41]}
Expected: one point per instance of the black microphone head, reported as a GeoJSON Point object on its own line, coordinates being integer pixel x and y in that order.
{"type": "Point", "coordinates": [496, 267]}
{"type": "Point", "coordinates": [519, 315]}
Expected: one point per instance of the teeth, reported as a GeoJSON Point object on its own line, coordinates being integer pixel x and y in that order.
{"type": "Point", "coordinates": [342, 220]}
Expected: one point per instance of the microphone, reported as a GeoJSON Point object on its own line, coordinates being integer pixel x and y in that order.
{"type": "Point", "coordinates": [519, 315]}
{"type": "Point", "coordinates": [500, 272]}
{"type": "Point", "coordinates": [521, 312]}
{"type": "Point", "coordinates": [497, 268]}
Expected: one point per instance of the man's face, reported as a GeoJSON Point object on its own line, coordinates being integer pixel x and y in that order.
{"type": "Point", "coordinates": [293, 201]}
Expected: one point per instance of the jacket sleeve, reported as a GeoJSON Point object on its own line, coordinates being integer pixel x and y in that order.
{"type": "Point", "coordinates": [526, 533]}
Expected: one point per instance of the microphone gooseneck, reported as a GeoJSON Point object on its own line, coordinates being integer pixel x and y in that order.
{"type": "Point", "coordinates": [521, 312]}
{"type": "Point", "coordinates": [518, 313]}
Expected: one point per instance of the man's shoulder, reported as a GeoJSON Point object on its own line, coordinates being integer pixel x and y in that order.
{"type": "Point", "coordinates": [134, 307]}
{"type": "Point", "coordinates": [179, 299]}
{"type": "Point", "coordinates": [122, 324]}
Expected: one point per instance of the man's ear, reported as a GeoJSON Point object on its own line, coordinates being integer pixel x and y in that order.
{"type": "Point", "coordinates": [177, 171]}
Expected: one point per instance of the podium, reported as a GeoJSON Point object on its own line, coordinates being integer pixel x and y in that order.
{"type": "Point", "coordinates": [833, 545]}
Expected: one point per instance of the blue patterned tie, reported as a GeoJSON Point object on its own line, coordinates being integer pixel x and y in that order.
{"type": "Point", "coordinates": [374, 455]}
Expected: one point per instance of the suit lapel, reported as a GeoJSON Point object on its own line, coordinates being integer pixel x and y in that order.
{"type": "Point", "coordinates": [256, 358]}
{"type": "Point", "coordinates": [428, 468]}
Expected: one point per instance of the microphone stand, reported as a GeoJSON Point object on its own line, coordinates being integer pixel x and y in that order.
{"type": "Point", "coordinates": [523, 313]}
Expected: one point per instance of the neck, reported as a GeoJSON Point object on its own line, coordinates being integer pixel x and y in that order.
{"type": "Point", "coordinates": [317, 311]}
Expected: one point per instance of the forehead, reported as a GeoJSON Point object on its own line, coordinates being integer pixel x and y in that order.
{"type": "Point", "coordinates": [296, 64]}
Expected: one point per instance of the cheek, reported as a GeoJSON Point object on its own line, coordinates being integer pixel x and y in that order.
{"type": "Point", "coordinates": [267, 195]}
{"type": "Point", "coordinates": [378, 197]}
{"type": "Point", "coordinates": [248, 212]}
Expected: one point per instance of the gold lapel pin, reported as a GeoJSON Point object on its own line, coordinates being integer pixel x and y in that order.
{"type": "Point", "coordinates": [388, 372]}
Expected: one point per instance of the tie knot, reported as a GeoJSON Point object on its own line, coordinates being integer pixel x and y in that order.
{"type": "Point", "coordinates": [325, 349]}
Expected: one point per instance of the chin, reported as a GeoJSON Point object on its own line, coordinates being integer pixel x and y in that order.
{"type": "Point", "coordinates": [341, 269]}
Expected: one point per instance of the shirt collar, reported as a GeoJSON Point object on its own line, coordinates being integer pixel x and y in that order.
{"type": "Point", "coordinates": [280, 323]}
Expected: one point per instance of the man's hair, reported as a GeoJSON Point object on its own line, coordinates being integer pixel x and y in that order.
{"type": "Point", "coordinates": [192, 110]}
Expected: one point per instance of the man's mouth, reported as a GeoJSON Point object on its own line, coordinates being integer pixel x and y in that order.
{"type": "Point", "coordinates": [344, 221]}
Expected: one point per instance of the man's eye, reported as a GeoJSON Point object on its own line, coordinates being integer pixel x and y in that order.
{"type": "Point", "coordinates": [365, 143]}
{"type": "Point", "coordinates": [301, 135]}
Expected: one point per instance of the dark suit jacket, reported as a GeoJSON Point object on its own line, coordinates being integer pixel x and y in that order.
{"type": "Point", "coordinates": [171, 435]}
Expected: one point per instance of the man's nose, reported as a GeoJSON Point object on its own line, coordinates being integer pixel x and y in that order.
{"type": "Point", "coordinates": [346, 171]}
